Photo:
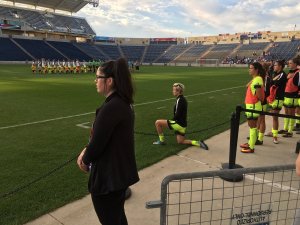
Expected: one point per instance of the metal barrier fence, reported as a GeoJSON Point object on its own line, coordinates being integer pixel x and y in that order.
{"type": "Point", "coordinates": [234, 133]}
{"type": "Point", "coordinates": [267, 195]}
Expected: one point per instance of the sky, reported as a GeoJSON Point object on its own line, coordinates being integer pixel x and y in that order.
{"type": "Point", "coordinates": [187, 18]}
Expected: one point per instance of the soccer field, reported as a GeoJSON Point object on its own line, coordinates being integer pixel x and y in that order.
{"type": "Point", "coordinates": [45, 122]}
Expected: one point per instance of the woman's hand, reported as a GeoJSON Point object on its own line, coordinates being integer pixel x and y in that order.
{"type": "Point", "coordinates": [80, 163]}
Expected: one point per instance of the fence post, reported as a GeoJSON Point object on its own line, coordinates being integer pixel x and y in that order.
{"type": "Point", "coordinates": [234, 131]}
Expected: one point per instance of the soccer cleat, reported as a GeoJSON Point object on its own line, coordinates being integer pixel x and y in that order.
{"type": "Point", "coordinates": [296, 127]}
{"type": "Point", "coordinates": [246, 145]}
{"type": "Point", "coordinates": [203, 145]}
{"type": "Point", "coordinates": [275, 140]}
{"type": "Point", "coordinates": [282, 132]}
{"type": "Point", "coordinates": [159, 142]}
{"type": "Point", "coordinates": [258, 142]}
{"type": "Point", "coordinates": [247, 150]}
{"type": "Point", "coordinates": [287, 135]}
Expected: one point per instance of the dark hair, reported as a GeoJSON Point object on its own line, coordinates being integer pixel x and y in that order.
{"type": "Point", "coordinates": [296, 60]}
{"type": "Point", "coordinates": [266, 67]}
{"type": "Point", "coordinates": [259, 68]}
{"type": "Point", "coordinates": [281, 63]}
{"type": "Point", "coordinates": [119, 71]}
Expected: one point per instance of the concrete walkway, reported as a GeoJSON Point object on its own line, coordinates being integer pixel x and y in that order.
{"type": "Point", "coordinates": [81, 212]}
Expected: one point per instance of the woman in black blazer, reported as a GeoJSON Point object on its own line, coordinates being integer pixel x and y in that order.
{"type": "Point", "coordinates": [110, 155]}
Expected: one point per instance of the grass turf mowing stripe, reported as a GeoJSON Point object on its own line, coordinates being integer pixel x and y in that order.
{"type": "Point", "coordinates": [138, 104]}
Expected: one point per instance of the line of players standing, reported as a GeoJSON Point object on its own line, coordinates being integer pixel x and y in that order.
{"type": "Point", "coordinates": [280, 90]}
{"type": "Point", "coordinates": [43, 66]}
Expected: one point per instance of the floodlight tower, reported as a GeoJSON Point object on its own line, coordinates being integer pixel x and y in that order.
{"type": "Point", "coordinates": [95, 3]}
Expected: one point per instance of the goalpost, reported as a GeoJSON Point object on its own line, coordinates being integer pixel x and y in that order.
{"type": "Point", "coordinates": [208, 62]}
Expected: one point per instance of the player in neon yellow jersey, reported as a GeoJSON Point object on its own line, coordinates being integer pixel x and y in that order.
{"type": "Point", "coordinates": [179, 121]}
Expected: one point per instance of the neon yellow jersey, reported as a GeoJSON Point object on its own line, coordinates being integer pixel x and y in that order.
{"type": "Point", "coordinates": [257, 81]}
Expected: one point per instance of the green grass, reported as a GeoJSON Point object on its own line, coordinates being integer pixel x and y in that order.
{"type": "Point", "coordinates": [27, 152]}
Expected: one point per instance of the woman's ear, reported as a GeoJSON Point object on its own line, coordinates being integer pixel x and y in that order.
{"type": "Point", "coordinates": [110, 81]}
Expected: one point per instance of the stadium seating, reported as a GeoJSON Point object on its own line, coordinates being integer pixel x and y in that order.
{"type": "Point", "coordinates": [133, 53]}
{"type": "Point", "coordinates": [283, 50]}
{"type": "Point", "coordinates": [92, 51]}
{"type": "Point", "coordinates": [39, 49]}
{"type": "Point", "coordinates": [111, 50]}
{"type": "Point", "coordinates": [224, 47]}
{"type": "Point", "coordinates": [72, 24]}
{"type": "Point", "coordinates": [70, 50]}
{"type": "Point", "coordinates": [47, 21]}
{"type": "Point", "coordinates": [9, 51]}
{"type": "Point", "coordinates": [192, 54]}
{"type": "Point", "coordinates": [154, 51]}
{"type": "Point", "coordinates": [221, 51]}
{"type": "Point", "coordinates": [251, 50]}
{"type": "Point", "coordinates": [171, 53]}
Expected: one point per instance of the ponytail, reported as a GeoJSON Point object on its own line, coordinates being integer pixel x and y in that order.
{"type": "Point", "coordinates": [123, 80]}
{"type": "Point", "coordinates": [260, 69]}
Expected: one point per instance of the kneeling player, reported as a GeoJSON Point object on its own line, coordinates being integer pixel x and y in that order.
{"type": "Point", "coordinates": [179, 122]}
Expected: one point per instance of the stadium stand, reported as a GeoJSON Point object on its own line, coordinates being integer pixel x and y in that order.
{"type": "Point", "coordinates": [250, 50]}
{"type": "Point", "coordinates": [69, 50]}
{"type": "Point", "coordinates": [39, 20]}
{"type": "Point", "coordinates": [192, 54]}
{"type": "Point", "coordinates": [220, 51]}
{"type": "Point", "coordinates": [133, 53]}
{"type": "Point", "coordinates": [283, 50]}
{"type": "Point", "coordinates": [24, 48]}
{"type": "Point", "coordinates": [40, 49]}
{"type": "Point", "coordinates": [154, 51]}
{"type": "Point", "coordinates": [171, 53]}
{"type": "Point", "coordinates": [11, 52]}
{"type": "Point", "coordinates": [111, 50]}
{"type": "Point", "coordinates": [92, 51]}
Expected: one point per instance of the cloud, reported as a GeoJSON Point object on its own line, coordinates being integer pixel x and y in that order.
{"type": "Point", "coordinates": [177, 18]}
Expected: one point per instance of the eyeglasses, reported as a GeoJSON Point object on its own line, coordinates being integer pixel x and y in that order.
{"type": "Point", "coordinates": [100, 77]}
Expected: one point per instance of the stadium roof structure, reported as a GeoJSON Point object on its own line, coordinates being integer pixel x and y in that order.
{"type": "Point", "coordinates": [72, 6]}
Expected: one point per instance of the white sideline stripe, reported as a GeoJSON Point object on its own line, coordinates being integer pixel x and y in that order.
{"type": "Point", "coordinates": [197, 161]}
{"type": "Point", "coordinates": [139, 104]}
{"type": "Point", "coordinates": [83, 125]}
{"type": "Point", "coordinates": [44, 121]}
{"type": "Point", "coordinates": [270, 183]}
{"type": "Point", "coordinates": [161, 107]}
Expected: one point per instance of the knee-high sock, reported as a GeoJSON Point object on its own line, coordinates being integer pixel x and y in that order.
{"type": "Point", "coordinates": [286, 123]}
{"type": "Point", "coordinates": [161, 137]}
{"type": "Point", "coordinates": [195, 143]}
{"type": "Point", "coordinates": [260, 136]}
{"type": "Point", "coordinates": [291, 125]}
{"type": "Point", "coordinates": [275, 133]}
{"type": "Point", "coordinates": [253, 137]}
